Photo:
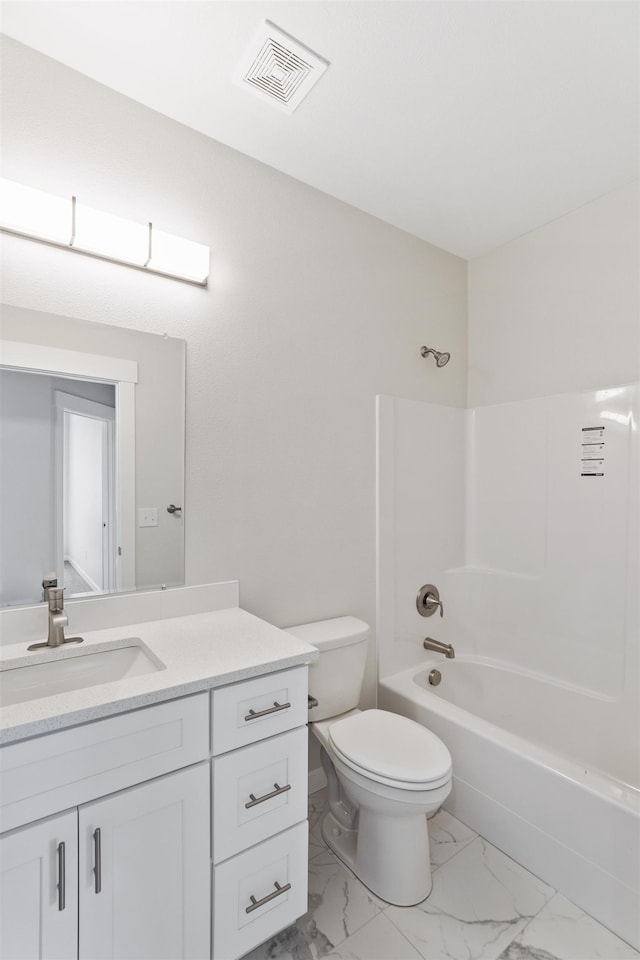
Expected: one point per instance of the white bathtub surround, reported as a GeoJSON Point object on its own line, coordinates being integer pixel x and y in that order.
{"type": "Point", "coordinates": [505, 909]}
{"type": "Point", "coordinates": [493, 509]}
{"type": "Point", "coordinates": [489, 505]}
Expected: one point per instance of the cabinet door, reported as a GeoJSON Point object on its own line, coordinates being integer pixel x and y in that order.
{"type": "Point", "coordinates": [144, 871]}
{"type": "Point", "coordinates": [39, 890]}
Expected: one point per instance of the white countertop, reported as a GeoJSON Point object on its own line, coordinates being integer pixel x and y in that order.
{"type": "Point", "coordinates": [199, 652]}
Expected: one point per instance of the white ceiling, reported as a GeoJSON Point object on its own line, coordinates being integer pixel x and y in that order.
{"type": "Point", "coordinates": [464, 123]}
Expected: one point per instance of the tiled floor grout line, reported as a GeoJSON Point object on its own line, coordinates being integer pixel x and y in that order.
{"type": "Point", "coordinates": [396, 928]}
{"type": "Point", "coordinates": [436, 866]}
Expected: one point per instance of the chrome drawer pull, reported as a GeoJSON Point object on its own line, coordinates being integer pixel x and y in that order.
{"type": "Point", "coordinates": [61, 876]}
{"type": "Point", "coordinates": [270, 896]}
{"type": "Point", "coordinates": [97, 846]}
{"type": "Point", "coordinates": [268, 796]}
{"type": "Point", "coordinates": [252, 715]}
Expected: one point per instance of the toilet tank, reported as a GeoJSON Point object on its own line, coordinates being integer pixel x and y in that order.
{"type": "Point", "coordinates": [335, 678]}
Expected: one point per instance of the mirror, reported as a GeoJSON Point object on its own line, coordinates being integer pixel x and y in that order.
{"type": "Point", "coordinates": [92, 421]}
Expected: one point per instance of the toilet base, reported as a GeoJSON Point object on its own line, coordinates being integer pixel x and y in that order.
{"type": "Point", "coordinates": [397, 870]}
{"type": "Point", "coordinates": [340, 840]}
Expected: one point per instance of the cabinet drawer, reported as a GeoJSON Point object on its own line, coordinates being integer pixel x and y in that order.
{"type": "Point", "coordinates": [258, 791]}
{"type": "Point", "coordinates": [63, 769]}
{"type": "Point", "coordinates": [255, 709]}
{"type": "Point", "coordinates": [247, 905]}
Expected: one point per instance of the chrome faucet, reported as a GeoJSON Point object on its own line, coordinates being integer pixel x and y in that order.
{"type": "Point", "coordinates": [445, 648]}
{"type": "Point", "coordinates": [58, 620]}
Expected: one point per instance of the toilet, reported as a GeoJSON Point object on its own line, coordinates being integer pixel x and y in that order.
{"type": "Point", "coordinates": [386, 774]}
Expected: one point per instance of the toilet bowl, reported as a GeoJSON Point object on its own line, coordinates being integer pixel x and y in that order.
{"type": "Point", "coordinates": [386, 774]}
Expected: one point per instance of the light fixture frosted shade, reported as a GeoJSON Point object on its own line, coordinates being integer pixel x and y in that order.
{"type": "Point", "coordinates": [41, 216]}
{"type": "Point", "coordinates": [184, 258]}
{"type": "Point", "coordinates": [109, 236]}
{"type": "Point", "coordinates": [34, 212]}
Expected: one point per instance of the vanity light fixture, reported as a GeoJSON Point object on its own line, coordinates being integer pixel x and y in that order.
{"type": "Point", "coordinates": [31, 213]}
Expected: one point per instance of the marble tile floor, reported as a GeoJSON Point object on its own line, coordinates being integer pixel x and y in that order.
{"type": "Point", "coordinates": [483, 906]}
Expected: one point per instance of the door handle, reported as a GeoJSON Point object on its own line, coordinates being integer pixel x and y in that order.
{"type": "Point", "coordinates": [97, 856]}
{"type": "Point", "coordinates": [62, 876]}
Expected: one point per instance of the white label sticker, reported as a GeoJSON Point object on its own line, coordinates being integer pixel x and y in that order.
{"type": "Point", "coordinates": [593, 434]}
{"type": "Point", "coordinates": [592, 452]}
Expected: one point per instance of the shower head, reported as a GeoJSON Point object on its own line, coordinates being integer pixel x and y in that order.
{"type": "Point", "coordinates": [441, 358]}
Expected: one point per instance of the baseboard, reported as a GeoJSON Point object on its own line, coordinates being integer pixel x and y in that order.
{"type": "Point", "coordinates": [85, 576]}
{"type": "Point", "coordinates": [583, 882]}
{"type": "Point", "coordinates": [317, 780]}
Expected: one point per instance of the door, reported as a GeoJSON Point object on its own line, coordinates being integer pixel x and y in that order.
{"type": "Point", "coordinates": [145, 871]}
{"type": "Point", "coordinates": [86, 555]}
{"type": "Point", "coordinates": [39, 890]}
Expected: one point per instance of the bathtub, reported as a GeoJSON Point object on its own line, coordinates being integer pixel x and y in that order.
{"type": "Point", "coordinates": [565, 806]}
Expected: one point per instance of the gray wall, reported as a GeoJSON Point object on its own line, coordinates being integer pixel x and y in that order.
{"type": "Point", "coordinates": [313, 308]}
{"type": "Point", "coordinates": [557, 310]}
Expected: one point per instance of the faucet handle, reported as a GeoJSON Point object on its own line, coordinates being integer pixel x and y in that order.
{"type": "Point", "coordinates": [55, 596]}
{"type": "Point", "coordinates": [48, 581]}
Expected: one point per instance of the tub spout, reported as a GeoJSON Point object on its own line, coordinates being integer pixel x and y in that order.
{"type": "Point", "coordinates": [445, 648]}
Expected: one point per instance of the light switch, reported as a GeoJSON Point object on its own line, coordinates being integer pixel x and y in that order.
{"type": "Point", "coordinates": [148, 517]}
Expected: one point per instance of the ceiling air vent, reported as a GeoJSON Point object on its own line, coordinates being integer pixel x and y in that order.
{"type": "Point", "coordinates": [278, 68]}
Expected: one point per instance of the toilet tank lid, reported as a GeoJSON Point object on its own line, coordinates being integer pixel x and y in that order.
{"type": "Point", "coordinates": [327, 634]}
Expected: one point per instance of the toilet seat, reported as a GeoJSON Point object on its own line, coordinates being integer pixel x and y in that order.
{"type": "Point", "coordinates": [390, 749]}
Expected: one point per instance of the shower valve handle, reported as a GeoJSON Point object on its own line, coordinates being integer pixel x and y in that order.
{"type": "Point", "coordinates": [437, 603]}
{"type": "Point", "coordinates": [428, 601]}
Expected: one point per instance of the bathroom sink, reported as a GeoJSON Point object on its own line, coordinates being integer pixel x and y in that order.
{"type": "Point", "coordinates": [89, 668]}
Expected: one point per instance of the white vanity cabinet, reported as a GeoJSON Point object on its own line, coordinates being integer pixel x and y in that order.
{"type": "Point", "coordinates": [124, 871]}
{"type": "Point", "coordinates": [260, 830]}
{"type": "Point", "coordinates": [126, 876]}
{"type": "Point", "coordinates": [177, 831]}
